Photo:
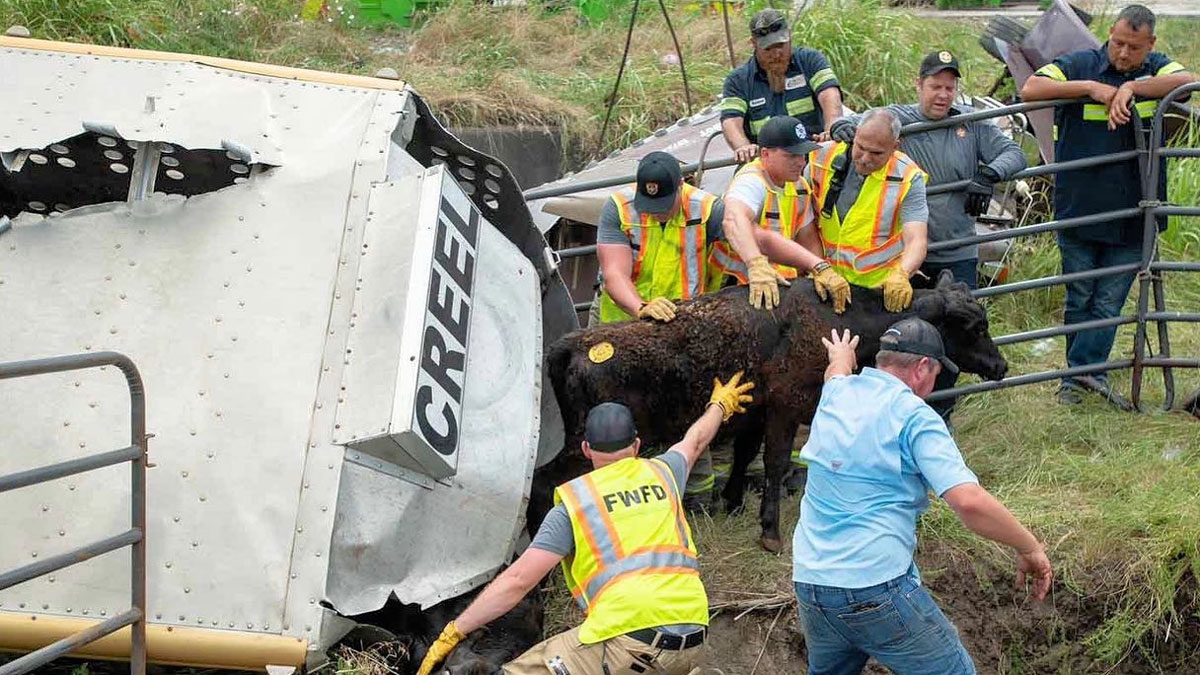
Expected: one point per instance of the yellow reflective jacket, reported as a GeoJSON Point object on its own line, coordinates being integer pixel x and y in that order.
{"type": "Point", "coordinates": [864, 244]}
{"type": "Point", "coordinates": [634, 564]}
{"type": "Point", "coordinates": [784, 211]}
{"type": "Point", "coordinates": [668, 258]}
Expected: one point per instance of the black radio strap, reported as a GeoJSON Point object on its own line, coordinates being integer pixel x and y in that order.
{"type": "Point", "coordinates": [841, 167]}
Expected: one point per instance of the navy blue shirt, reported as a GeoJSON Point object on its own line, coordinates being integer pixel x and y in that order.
{"type": "Point", "coordinates": [1082, 131]}
{"type": "Point", "coordinates": [748, 95]}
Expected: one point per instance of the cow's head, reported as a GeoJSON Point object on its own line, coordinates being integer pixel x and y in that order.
{"type": "Point", "coordinates": [963, 323]}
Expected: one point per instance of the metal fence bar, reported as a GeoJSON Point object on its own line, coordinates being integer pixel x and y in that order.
{"type": "Point", "coordinates": [137, 434]}
{"type": "Point", "coordinates": [1066, 329]}
{"type": "Point", "coordinates": [1176, 210]}
{"type": "Point", "coordinates": [990, 113]}
{"type": "Point", "coordinates": [559, 190]}
{"type": "Point", "coordinates": [1037, 228]}
{"type": "Point", "coordinates": [1179, 152]}
{"type": "Point", "coordinates": [1174, 266]}
{"type": "Point", "coordinates": [65, 646]}
{"type": "Point", "coordinates": [583, 306]}
{"type": "Point", "coordinates": [1043, 169]}
{"type": "Point", "coordinates": [68, 468]}
{"type": "Point", "coordinates": [1031, 378]}
{"type": "Point", "coordinates": [576, 251]}
{"type": "Point", "coordinates": [1055, 280]}
{"type": "Point", "coordinates": [78, 555]}
{"type": "Point", "coordinates": [1173, 316]}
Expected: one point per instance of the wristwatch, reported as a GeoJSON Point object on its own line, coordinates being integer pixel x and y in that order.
{"type": "Point", "coordinates": [821, 266]}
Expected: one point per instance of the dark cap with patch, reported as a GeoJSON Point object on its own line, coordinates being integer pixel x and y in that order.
{"type": "Point", "coordinates": [916, 336]}
{"type": "Point", "coordinates": [610, 427]}
{"type": "Point", "coordinates": [786, 133]}
{"type": "Point", "coordinates": [769, 27]}
{"type": "Point", "coordinates": [936, 62]}
{"type": "Point", "coordinates": [658, 178]}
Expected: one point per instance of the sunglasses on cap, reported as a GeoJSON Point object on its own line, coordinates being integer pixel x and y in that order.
{"type": "Point", "coordinates": [767, 30]}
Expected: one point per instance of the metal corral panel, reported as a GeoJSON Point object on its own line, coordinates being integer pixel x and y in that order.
{"type": "Point", "coordinates": [238, 307]}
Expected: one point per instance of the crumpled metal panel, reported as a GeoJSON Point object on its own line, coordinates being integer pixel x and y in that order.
{"type": "Point", "coordinates": [226, 301]}
{"type": "Point", "coordinates": [426, 542]}
{"type": "Point", "coordinates": [189, 104]}
{"type": "Point", "coordinates": [685, 140]}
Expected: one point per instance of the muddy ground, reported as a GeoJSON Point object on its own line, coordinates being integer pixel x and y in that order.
{"type": "Point", "coordinates": [1004, 632]}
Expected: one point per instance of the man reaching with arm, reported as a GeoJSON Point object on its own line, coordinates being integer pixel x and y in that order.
{"type": "Point", "coordinates": [630, 562]}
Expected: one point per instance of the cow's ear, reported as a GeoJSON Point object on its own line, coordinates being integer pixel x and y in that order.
{"type": "Point", "coordinates": [931, 307]}
{"type": "Point", "coordinates": [945, 279]}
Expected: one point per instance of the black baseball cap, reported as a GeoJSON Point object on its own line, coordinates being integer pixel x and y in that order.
{"type": "Point", "coordinates": [936, 62]}
{"type": "Point", "coordinates": [787, 133]}
{"type": "Point", "coordinates": [769, 27]}
{"type": "Point", "coordinates": [658, 178]}
{"type": "Point", "coordinates": [610, 427]}
{"type": "Point", "coordinates": [916, 336]}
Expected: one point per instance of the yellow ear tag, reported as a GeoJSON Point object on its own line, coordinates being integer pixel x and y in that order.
{"type": "Point", "coordinates": [600, 352]}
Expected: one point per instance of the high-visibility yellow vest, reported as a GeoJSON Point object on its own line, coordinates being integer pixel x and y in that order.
{"type": "Point", "coordinates": [634, 565]}
{"type": "Point", "coordinates": [864, 244]}
{"type": "Point", "coordinates": [784, 211]}
{"type": "Point", "coordinates": [668, 258]}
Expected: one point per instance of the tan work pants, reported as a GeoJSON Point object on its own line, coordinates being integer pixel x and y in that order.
{"type": "Point", "coordinates": [564, 654]}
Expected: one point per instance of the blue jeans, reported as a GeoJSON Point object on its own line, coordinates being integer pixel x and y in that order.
{"type": "Point", "coordinates": [896, 622]}
{"type": "Point", "coordinates": [1100, 298]}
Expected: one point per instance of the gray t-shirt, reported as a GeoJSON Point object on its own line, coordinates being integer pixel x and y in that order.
{"type": "Point", "coordinates": [912, 209]}
{"type": "Point", "coordinates": [555, 534]}
{"type": "Point", "coordinates": [608, 231]}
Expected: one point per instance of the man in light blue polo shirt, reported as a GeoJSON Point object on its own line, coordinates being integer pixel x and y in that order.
{"type": "Point", "coordinates": [870, 468]}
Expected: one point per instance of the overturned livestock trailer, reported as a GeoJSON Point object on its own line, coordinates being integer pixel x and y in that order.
{"type": "Point", "coordinates": [338, 313]}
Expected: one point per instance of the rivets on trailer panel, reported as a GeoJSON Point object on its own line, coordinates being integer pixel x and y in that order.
{"type": "Point", "coordinates": [203, 498]}
{"type": "Point", "coordinates": [66, 423]}
{"type": "Point", "coordinates": [175, 519]}
{"type": "Point", "coordinates": [62, 533]}
{"type": "Point", "coordinates": [217, 318]}
{"type": "Point", "coordinates": [85, 611]}
{"type": "Point", "coordinates": [182, 617]}
{"type": "Point", "coordinates": [183, 473]}
{"type": "Point", "coordinates": [325, 508]}
{"type": "Point", "coordinates": [33, 554]}
{"type": "Point", "coordinates": [211, 454]}
{"type": "Point", "coordinates": [195, 544]}
{"type": "Point", "coordinates": [158, 615]}
{"type": "Point", "coordinates": [169, 564]}
{"type": "Point", "coordinates": [104, 612]}
{"type": "Point", "coordinates": [22, 605]}
{"type": "Point", "coordinates": [45, 508]}
{"type": "Point", "coordinates": [71, 488]}
{"type": "Point", "coordinates": [201, 392]}
{"type": "Point", "coordinates": [45, 606]}
{"type": "Point", "coordinates": [249, 625]}
{"type": "Point", "coordinates": [186, 589]}
{"type": "Point", "coordinates": [318, 554]}
{"type": "Point", "coordinates": [50, 579]}
{"type": "Point", "coordinates": [192, 432]}
{"type": "Point", "coordinates": [69, 610]}
{"type": "Point", "coordinates": [231, 624]}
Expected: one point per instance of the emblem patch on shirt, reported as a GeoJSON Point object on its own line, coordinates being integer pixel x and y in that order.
{"type": "Point", "coordinates": [758, 102]}
{"type": "Point", "coordinates": [795, 82]}
{"type": "Point", "coordinates": [961, 131]}
{"type": "Point", "coordinates": [600, 352]}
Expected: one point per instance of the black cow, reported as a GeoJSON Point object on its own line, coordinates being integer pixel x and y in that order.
{"type": "Point", "coordinates": [664, 373]}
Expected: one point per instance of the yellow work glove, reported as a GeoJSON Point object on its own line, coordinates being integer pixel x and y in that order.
{"type": "Point", "coordinates": [764, 283]}
{"type": "Point", "coordinates": [828, 283]}
{"type": "Point", "coordinates": [441, 648]}
{"type": "Point", "coordinates": [731, 396]}
{"type": "Point", "coordinates": [661, 309]}
{"type": "Point", "coordinates": [897, 291]}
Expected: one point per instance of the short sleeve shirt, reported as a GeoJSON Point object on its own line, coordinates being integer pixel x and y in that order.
{"type": "Point", "coordinates": [555, 534]}
{"type": "Point", "coordinates": [608, 231]}
{"type": "Point", "coordinates": [1082, 131]}
{"type": "Point", "coordinates": [752, 192]}
{"type": "Point", "coordinates": [747, 93]}
{"type": "Point", "coordinates": [870, 468]}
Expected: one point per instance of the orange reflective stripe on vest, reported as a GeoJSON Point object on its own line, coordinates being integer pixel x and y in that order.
{"type": "Point", "coordinates": [784, 211]}
{"type": "Point", "coordinates": [634, 564]}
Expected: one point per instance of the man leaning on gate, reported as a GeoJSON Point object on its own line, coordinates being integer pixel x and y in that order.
{"type": "Point", "coordinates": [1124, 78]}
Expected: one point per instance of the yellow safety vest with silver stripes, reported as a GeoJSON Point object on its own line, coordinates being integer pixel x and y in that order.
{"type": "Point", "coordinates": [864, 244]}
{"type": "Point", "coordinates": [784, 211]}
{"type": "Point", "coordinates": [668, 258]}
{"type": "Point", "coordinates": [634, 565]}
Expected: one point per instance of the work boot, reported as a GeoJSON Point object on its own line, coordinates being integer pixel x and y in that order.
{"type": "Point", "coordinates": [697, 504]}
{"type": "Point", "coordinates": [796, 480]}
{"type": "Point", "coordinates": [1070, 393]}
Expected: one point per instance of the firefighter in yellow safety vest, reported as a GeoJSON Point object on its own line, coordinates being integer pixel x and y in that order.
{"type": "Point", "coordinates": [627, 555]}
{"type": "Point", "coordinates": [655, 237]}
{"type": "Point", "coordinates": [871, 208]}
{"type": "Point", "coordinates": [770, 195]}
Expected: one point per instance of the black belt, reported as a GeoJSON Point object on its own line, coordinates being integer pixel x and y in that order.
{"type": "Point", "coordinates": [660, 640]}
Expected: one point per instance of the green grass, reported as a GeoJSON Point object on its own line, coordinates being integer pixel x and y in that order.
{"type": "Point", "coordinates": [1113, 494]}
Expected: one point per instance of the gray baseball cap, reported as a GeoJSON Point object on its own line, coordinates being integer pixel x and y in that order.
{"type": "Point", "coordinates": [916, 336]}
{"type": "Point", "coordinates": [610, 427]}
{"type": "Point", "coordinates": [769, 27]}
